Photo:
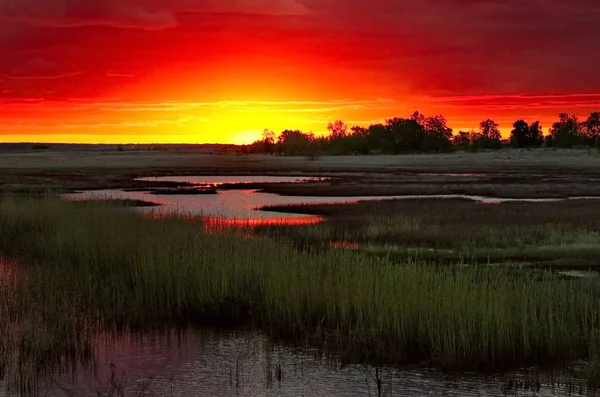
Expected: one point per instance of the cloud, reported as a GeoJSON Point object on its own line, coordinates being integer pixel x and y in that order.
{"type": "Point", "coordinates": [470, 46]}
{"type": "Point", "coordinates": [262, 7]}
{"type": "Point", "coordinates": [120, 75]}
{"type": "Point", "coordinates": [73, 13]}
{"type": "Point", "coordinates": [40, 69]}
{"type": "Point", "coordinates": [353, 49]}
{"type": "Point", "coordinates": [142, 14]}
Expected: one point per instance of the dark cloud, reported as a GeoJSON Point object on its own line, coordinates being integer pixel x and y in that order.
{"type": "Point", "coordinates": [474, 46]}
{"type": "Point", "coordinates": [393, 47]}
{"type": "Point", "coordinates": [39, 69]}
{"type": "Point", "coordinates": [149, 14]}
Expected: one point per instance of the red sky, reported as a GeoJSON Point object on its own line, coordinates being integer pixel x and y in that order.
{"type": "Point", "coordinates": [223, 70]}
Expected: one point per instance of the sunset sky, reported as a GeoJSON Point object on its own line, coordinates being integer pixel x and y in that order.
{"type": "Point", "coordinates": [143, 71]}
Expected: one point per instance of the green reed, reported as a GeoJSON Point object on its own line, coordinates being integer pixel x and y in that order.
{"type": "Point", "coordinates": [96, 268]}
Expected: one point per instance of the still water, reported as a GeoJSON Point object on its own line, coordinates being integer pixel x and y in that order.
{"type": "Point", "coordinates": [244, 204]}
{"type": "Point", "coordinates": [221, 180]}
{"type": "Point", "coordinates": [210, 363]}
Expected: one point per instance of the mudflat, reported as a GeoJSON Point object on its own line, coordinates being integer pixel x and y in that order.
{"type": "Point", "coordinates": [508, 160]}
{"type": "Point", "coordinates": [503, 173]}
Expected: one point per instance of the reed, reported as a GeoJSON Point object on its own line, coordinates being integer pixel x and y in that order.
{"type": "Point", "coordinates": [455, 229]}
{"type": "Point", "coordinates": [93, 268]}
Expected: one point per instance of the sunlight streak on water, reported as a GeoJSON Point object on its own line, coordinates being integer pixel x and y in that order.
{"type": "Point", "coordinates": [242, 204]}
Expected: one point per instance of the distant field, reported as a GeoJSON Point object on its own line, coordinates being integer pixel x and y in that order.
{"type": "Point", "coordinates": [509, 160]}
{"type": "Point", "coordinates": [506, 173]}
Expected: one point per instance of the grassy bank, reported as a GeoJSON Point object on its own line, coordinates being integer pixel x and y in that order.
{"type": "Point", "coordinates": [455, 230]}
{"type": "Point", "coordinates": [94, 269]}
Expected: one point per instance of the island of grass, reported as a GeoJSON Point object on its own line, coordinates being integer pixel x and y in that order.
{"type": "Point", "coordinates": [554, 235]}
{"type": "Point", "coordinates": [126, 203]}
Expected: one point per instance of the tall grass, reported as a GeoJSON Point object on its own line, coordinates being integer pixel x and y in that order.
{"type": "Point", "coordinates": [95, 268]}
{"type": "Point", "coordinates": [456, 228]}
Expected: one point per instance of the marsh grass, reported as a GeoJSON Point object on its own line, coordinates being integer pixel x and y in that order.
{"type": "Point", "coordinates": [456, 229]}
{"type": "Point", "coordinates": [93, 270]}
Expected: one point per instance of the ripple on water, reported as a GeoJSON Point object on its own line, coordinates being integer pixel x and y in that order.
{"type": "Point", "coordinates": [209, 363]}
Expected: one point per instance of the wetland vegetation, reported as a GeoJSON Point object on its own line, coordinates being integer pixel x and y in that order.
{"type": "Point", "coordinates": [75, 270]}
{"type": "Point", "coordinates": [87, 270]}
{"type": "Point", "coordinates": [562, 233]}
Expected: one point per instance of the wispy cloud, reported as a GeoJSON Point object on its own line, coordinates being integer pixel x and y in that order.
{"type": "Point", "coordinates": [525, 97]}
{"type": "Point", "coordinates": [120, 75]}
{"type": "Point", "coordinates": [42, 77]}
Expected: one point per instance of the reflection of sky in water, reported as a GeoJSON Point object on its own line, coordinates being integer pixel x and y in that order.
{"type": "Point", "coordinates": [242, 204]}
{"type": "Point", "coordinates": [220, 180]}
{"type": "Point", "coordinates": [229, 204]}
{"type": "Point", "coordinates": [206, 363]}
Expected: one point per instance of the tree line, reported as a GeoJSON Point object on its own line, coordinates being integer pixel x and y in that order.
{"type": "Point", "coordinates": [421, 134]}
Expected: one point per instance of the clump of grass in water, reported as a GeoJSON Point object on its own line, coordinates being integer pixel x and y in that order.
{"type": "Point", "coordinates": [113, 270]}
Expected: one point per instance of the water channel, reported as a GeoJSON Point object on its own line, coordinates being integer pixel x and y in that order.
{"type": "Point", "coordinates": [211, 363]}
{"type": "Point", "coordinates": [244, 204]}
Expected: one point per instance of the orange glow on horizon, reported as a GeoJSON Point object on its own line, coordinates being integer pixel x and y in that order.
{"type": "Point", "coordinates": [233, 102]}
{"type": "Point", "coordinates": [231, 121]}
{"type": "Point", "coordinates": [183, 71]}
{"type": "Point", "coordinates": [232, 99]}
{"type": "Point", "coordinates": [223, 127]}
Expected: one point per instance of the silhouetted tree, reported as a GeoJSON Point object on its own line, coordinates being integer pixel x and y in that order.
{"type": "Point", "coordinates": [438, 136]}
{"type": "Point", "coordinates": [340, 140]}
{"type": "Point", "coordinates": [379, 139]}
{"type": "Point", "coordinates": [536, 136]}
{"type": "Point", "coordinates": [591, 128]}
{"type": "Point", "coordinates": [338, 129]}
{"type": "Point", "coordinates": [567, 132]}
{"type": "Point", "coordinates": [490, 135]}
{"type": "Point", "coordinates": [490, 129]}
{"type": "Point", "coordinates": [518, 136]}
{"type": "Point", "coordinates": [419, 133]}
{"type": "Point", "coordinates": [264, 145]}
{"type": "Point", "coordinates": [523, 135]}
{"type": "Point", "coordinates": [358, 140]}
{"type": "Point", "coordinates": [294, 142]}
{"type": "Point", "coordinates": [268, 139]}
{"type": "Point", "coordinates": [406, 135]}
{"type": "Point", "coordinates": [415, 134]}
{"type": "Point", "coordinates": [462, 140]}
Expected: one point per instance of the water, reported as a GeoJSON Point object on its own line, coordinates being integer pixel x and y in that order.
{"type": "Point", "coordinates": [243, 205]}
{"type": "Point", "coordinates": [579, 274]}
{"type": "Point", "coordinates": [210, 363]}
{"type": "Point", "coordinates": [221, 180]}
